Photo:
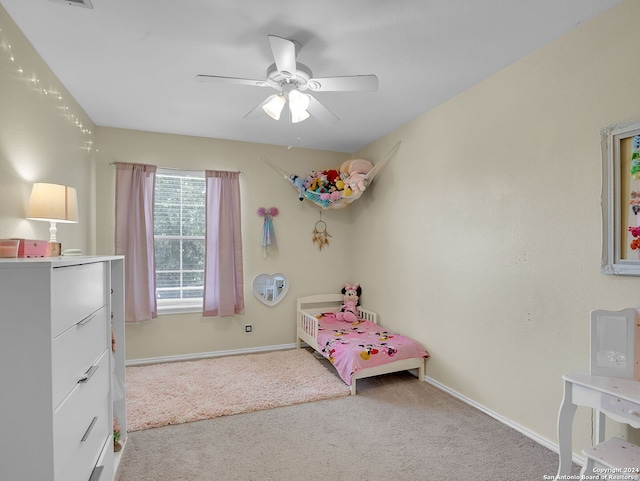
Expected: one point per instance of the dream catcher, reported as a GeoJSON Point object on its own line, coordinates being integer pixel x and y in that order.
{"type": "Point", "coordinates": [320, 234]}
{"type": "Point", "coordinates": [269, 244]}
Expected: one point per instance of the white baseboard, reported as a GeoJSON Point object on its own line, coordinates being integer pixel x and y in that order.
{"type": "Point", "coordinates": [206, 355]}
{"type": "Point", "coordinates": [508, 422]}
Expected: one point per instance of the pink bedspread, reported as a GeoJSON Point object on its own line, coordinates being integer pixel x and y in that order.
{"type": "Point", "coordinates": [354, 346]}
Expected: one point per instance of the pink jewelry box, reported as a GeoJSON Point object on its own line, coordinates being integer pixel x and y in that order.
{"type": "Point", "coordinates": [32, 248]}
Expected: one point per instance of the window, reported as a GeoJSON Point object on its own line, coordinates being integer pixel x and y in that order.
{"type": "Point", "coordinates": [179, 229]}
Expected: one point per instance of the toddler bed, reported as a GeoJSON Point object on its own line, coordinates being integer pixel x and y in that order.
{"type": "Point", "coordinates": [359, 349]}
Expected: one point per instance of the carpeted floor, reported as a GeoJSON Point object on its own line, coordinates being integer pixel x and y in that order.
{"type": "Point", "coordinates": [180, 392]}
{"type": "Point", "coordinates": [396, 428]}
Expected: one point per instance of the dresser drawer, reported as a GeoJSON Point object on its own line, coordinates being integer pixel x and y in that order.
{"type": "Point", "coordinates": [75, 351]}
{"type": "Point", "coordinates": [620, 407]}
{"type": "Point", "coordinates": [82, 425]}
{"type": "Point", "coordinates": [105, 467]}
{"type": "Point", "coordinates": [77, 291]}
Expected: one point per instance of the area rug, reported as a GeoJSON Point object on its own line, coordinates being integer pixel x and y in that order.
{"type": "Point", "coordinates": [182, 392]}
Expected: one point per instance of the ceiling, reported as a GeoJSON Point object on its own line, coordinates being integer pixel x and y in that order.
{"type": "Point", "coordinates": [132, 63]}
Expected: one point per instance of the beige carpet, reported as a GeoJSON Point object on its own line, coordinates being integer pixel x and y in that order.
{"type": "Point", "coordinates": [181, 392]}
{"type": "Point", "coordinates": [396, 428]}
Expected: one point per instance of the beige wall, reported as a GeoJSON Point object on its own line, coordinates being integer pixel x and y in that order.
{"type": "Point", "coordinates": [43, 138]}
{"type": "Point", "coordinates": [309, 270]}
{"type": "Point", "coordinates": [489, 223]}
{"type": "Point", "coordinates": [481, 238]}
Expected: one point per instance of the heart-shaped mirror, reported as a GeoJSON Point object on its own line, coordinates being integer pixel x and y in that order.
{"type": "Point", "coordinates": [270, 288]}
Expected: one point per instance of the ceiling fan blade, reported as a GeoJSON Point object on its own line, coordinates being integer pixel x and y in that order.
{"type": "Point", "coordinates": [320, 112]}
{"type": "Point", "coordinates": [231, 80]}
{"type": "Point", "coordinates": [354, 83]}
{"type": "Point", "coordinates": [284, 54]}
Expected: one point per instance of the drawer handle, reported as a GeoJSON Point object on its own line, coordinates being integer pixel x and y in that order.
{"type": "Point", "coordinates": [96, 474]}
{"type": "Point", "coordinates": [87, 375]}
{"type": "Point", "coordinates": [89, 429]}
{"type": "Point", "coordinates": [85, 320]}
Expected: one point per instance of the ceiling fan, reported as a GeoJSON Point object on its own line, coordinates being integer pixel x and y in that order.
{"type": "Point", "coordinates": [291, 79]}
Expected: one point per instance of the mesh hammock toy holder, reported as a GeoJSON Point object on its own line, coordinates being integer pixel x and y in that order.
{"type": "Point", "coordinates": [343, 201]}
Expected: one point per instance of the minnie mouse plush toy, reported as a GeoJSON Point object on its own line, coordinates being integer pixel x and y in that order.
{"type": "Point", "coordinates": [351, 300]}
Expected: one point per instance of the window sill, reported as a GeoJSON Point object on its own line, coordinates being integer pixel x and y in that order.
{"type": "Point", "coordinates": [167, 308]}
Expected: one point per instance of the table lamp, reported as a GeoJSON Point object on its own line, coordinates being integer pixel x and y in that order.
{"type": "Point", "coordinates": [54, 203]}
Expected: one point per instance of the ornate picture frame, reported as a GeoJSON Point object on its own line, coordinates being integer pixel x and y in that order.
{"type": "Point", "coordinates": [620, 199]}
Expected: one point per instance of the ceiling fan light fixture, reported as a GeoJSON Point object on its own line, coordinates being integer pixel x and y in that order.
{"type": "Point", "coordinates": [274, 107]}
{"type": "Point", "coordinates": [299, 116]}
{"type": "Point", "coordinates": [298, 104]}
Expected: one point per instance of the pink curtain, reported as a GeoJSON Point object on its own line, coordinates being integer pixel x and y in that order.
{"type": "Point", "coordinates": [135, 187]}
{"type": "Point", "coordinates": [223, 280]}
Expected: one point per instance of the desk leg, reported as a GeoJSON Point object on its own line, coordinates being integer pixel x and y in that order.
{"type": "Point", "coordinates": [600, 417]}
{"type": "Point", "coordinates": [565, 430]}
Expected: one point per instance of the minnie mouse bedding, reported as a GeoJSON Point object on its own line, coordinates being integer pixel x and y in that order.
{"type": "Point", "coordinates": [353, 346]}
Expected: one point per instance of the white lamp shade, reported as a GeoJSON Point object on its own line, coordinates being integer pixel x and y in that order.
{"type": "Point", "coordinates": [274, 107]}
{"type": "Point", "coordinates": [298, 104]}
{"type": "Point", "coordinates": [53, 203]}
{"type": "Point", "coordinates": [299, 116]}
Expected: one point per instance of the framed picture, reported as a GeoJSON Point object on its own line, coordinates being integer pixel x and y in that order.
{"type": "Point", "coordinates": [615, 343]}
{"type": "Point", "coordinates": [621, 199]}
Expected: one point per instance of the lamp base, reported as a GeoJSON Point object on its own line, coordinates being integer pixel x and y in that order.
{"type": "Point", "coordinates": [53, 230]}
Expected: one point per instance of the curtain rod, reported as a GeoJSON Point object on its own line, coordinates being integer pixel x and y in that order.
{"type": "Point", "coordinates": [241, 172]}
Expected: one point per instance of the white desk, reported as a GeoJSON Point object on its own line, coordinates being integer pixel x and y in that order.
{"type": "Point", "coordinates": [616, 398]}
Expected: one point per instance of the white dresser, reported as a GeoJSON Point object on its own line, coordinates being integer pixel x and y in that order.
{"type": "Point", "coordinates": [61, 383]}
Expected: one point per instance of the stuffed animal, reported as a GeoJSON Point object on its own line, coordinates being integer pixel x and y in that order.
{"type": "Point", "coordinates": [309, 180]}
{"type": "Point", "coordinates": [360, 165]}
{"type": "Point", "coordinates": [356, 165]}
{"type": "Point", "coordinates": [357, 182]}
{"type": "Point", "coordinates": [344, 168]}
{"type": "Point", "coordinates": [319, 183]}
{"type": "Point", "coordinates": [335, 195]}
{"type": "Point", "coordinates": [299, 183]}
{"type": "Point", "coordinates": [351, 300]}
{"type": "Point", "coordinates": [332, 176]}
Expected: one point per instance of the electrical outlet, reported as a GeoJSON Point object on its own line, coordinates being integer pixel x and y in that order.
{"type": "Point", "coordinates": [248, 328]}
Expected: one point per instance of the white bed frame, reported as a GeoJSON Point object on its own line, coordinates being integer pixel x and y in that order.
{"type": "Point", "coordinates": [307, 331]}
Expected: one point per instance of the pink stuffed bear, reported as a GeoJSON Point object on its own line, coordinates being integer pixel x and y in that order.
{"type": "Point", "coordinates": [357, 182]}
{"type": "Point", "coordinates": [351, 300]}
{"type": "Point", "coordinates": [336, 194]}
